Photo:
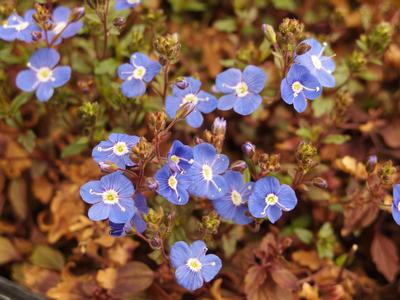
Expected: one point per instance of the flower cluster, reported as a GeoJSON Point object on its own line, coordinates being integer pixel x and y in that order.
{"type": "Point", "coordinates": [308, 74]}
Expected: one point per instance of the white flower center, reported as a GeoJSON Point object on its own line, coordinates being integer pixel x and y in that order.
{"type": "Point", "coordinates": [22, 26]}
{"type": "Point", "coordinates": [110, 197]}
{"type": "Point", "coordinates": [133, 1]}
{"type": "Point", "coordinates": [190, 98]}
{"type": "Point", "coordinates": [271, 199]}
{"type": "Point", "coordinates": [120, 148]}
{"type": "Point", "coordinates": [236, 198]}
{"type": "Point", "coordinates": [139, 72]}
{"type": "Point", "coordinates": [316, 61]}
{"type": "Point", "coordinates": [194, 264]}
{"type": "Point", "coordinates": [44, 74]}
{"type": "Point", "coordinates": [398, 206]}
{"type": "Point", "coordinates": [207, 172]}
{"type": "Point", "coordinates": [241, 89]}
{"type": "Point", "coordinates": [59, 27]}
{"type": "Point", "coordinates": [297, 87]}
{"type": "Point", "coordinates": [172, 182]}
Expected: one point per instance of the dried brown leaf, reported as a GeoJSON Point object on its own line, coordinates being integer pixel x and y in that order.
{"type": "Point", "coordinates": [42, 189]}
{"type": "Point", "coordinates": [17, 194]}
{"type": "Point", "coordinates": [7, 251]}
{"type": "Point", "coordinates": [307, 259]}
{"type": "Point", "coordinates": [384, 255]}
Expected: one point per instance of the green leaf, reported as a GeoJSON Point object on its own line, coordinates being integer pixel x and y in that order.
{"type": "Point", "coordinates": [28, 140]}
{"type": "Point", "coordinates": [305, 235]}
{"type": "Point", "coordinates": [18, 101]}
{"type": "Point", "coordinates": [226, 25]}
{"type": "Point", "coordinates": [322, 106]}
{"type": "Point", "coordinates": [49, 258]}
{"type": "Point", "coordinates": [108, 66]}
{"type": "Point", "coordinates": [337, 139]}
{"type": "Point", "coordinates": [75, 148]}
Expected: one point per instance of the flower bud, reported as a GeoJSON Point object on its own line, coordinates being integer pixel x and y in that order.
{"type": "Point", "coordinates": [198, 140]}
{"type": "Point", "coordinates": [219, 126]}
{"type": "Point", "coordinates": [248, 149]}
{"type": "Point", "coordinates": [168, 47]}
{"type": "Point", "coordinates": [36, 36]}
{"type": "Point", "coordinates": [320, 182]}
{"type": "Point", "coordinates": [185, 110]}
{"type": "Point", "coordinates": [181, 83]}
{"type": "Point", "coordinates": [77, 14]}
{"type": "Point", "coordinates": [239, 165]}
{"type": "Point", "coordinates": [371, 163]}
{"type": "Point", "coordinates": [108, 166]}
{"type": "Point", "coordinates": [151, 183]}
{"type": "Point", "coordinates": [119, 22]}
{"type": "Point", "coordinates": [269, 33]}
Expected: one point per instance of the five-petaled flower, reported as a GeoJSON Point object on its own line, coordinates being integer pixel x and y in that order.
{"type": "Point", "coordinates": [298, 86]}
{"type": "Point", "coordinates": [203, 102]}
{"type": "Point", "coordinates": [180, 157]}
{"type": "Point", "coordinates": [111, 197]}
{"type": "Point", "coordinates": [42, 75]}
{"type": "Point", "coordinates": [18, 28]}
{"type": "Point", "coordinates": [172, 186]}
{"type": "Point", "coordinates": [319, 65]}
{"type": "Point", "coordinates": [192, 266]}
{"type": "Point", "coordinates": [62, 26]}
{"type": "Point", "coordinates": [115, 150]}
{"type": "Point", "coordinates": [121, 229]}
{"type": "Point", "coordinates": [242, 89]}
{"type": "Point", "coordinates": [269, 198]}
{"type": "Point", "coordinates": [140, 71]}
{"type": "Point", "coordinates": [233, 205]}
{"type": "Point", "coordinates": [125, 4]}
{"type": "Point", "coordinates": [396, 204]}
{"type": "Point", "coordinates": [205, 174]}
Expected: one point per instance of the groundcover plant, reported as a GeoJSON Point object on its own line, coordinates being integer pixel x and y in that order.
{"type": "Point", "coordinates": [200, 149]}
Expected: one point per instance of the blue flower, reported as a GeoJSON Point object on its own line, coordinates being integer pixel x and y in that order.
{"type": "Point", "coordinates": [111, 197]}
{"type": "Point", "coordinates": [242, 90]}
{"type": "Point", "coordinates": [269, 198]}
{"type": "Point", "coordinates": [172, 186]}
{"type": "Point", "coordinates": [116, 150]}
{"type": "Point", "coordinates": [396, 204]}
{"type": "Point", "coordinates": [18, 28]}
{"type": "Point", "coordinates": [233, 205]}
{"type": "Point", "coordinates": [203, 102]}
{"type": "Point", "coordinates": [298, 86]}
{"type": "Point", "coordinates": [192, 266]}
{"type": "Point", "coordinates": [320, 66]}
{"type": "Point", "coordinates": [121, 229]}
{"type": "Point", "coordinates": [205, 173]}
{"type": "Point", "coordinates": [42, 75]}
{"type": "Point", "coordinates": [61, 25]}
{"type": "Point", "coordinates": [140, 71]}
{"type": "Point", "coordinates": [180, 157]}
{"type": "Point", "coordinates": [125, 4]}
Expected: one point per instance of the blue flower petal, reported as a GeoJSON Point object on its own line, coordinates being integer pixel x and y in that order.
{"type": "Point", "coordinates": [198, 249]}
{"type": "Point", "coordinates": [45, 57]}
{"type": "Point", "coordinates": [228, 79]}
{"type": "Point", "coordinates": [234, 179]}
{"type": "Point", "coordinates": [286, 91]}
{"type": "Point", "coordinates": [287, 199]}
{"type": "Point", "coordinates": [255, 78]}
{"type": "Point", "coordinates": [274, 213]}
{"type": "Point", "coordinates": [133, 88]}
{"type": "Point", "coordinates": [8, 34]}
{"type": "Point", "coordinates": [265, 186]}
{"type": "Point", "coordinates": [179, 254]}
{"type": "Point", "coordinates": [218, 189]}
{"type": "Point", "coordinates": [141, 60]}
{"type": "Point", "coordinates": [121, 5]}
{"type": "Point", "coordinates": [328, 63]}
{"type": "Point", "coordinates": [256, 206]}
{"type": "Point", "coordinates": [204, 153]}
{"type": "Point", "coordinates": [211, 265]}
{"type": "Point", "coordinates": [247, 105]}
{"type": "Point", "coordinates": [193, 87]}
{"type": "Point", "coordinates": [27, 81]}
{"type": "Point", "coordinates": [315, 49]}
{"type": "Point", "coordinates": [300, 103]}
{"type": "Point", "coordinates": [141, 203]}
{"type": "Point", "coordinates": [227, 102]}
{"type": "Point", "coordinates": [171, 106]}
{"type": "Point", "coordinates": [396, 193]}
{"type": "Point", "coordinates": [125, 70]}
{"type": "Point", "coordinates": [195, 118]}
{"type": "Point", "coordinates": [313, 87]}
{"type": "Point", "coordinates": [117, 215]}
{"type": "Point", "coordinates": [188, 279]}
{"type": "Point", "coordinates": [44, 91]}
{"type": "Point", "coordinates": [325, 78]}
{"type": "Point", "coordinates": [87, 196]}
{"type": "Point", "coordinates": [396, 214]}
{"type": "Point", "coordinates": [220, 164]}
{"type": "Point", "coordinates": [61, 14]}
{"type": "Point", "coordinates": [99, 211]}
{"type": "Point", "coordinates": [207, 102]}
{"type": "Point", "coordinates": [72, 29]}
{"type": "Point", "coordinates": [140, 224]}
{"type": "Point", "coordinates": [61, 75]}
{"type": "Point", "coordinates": [152, 69]}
